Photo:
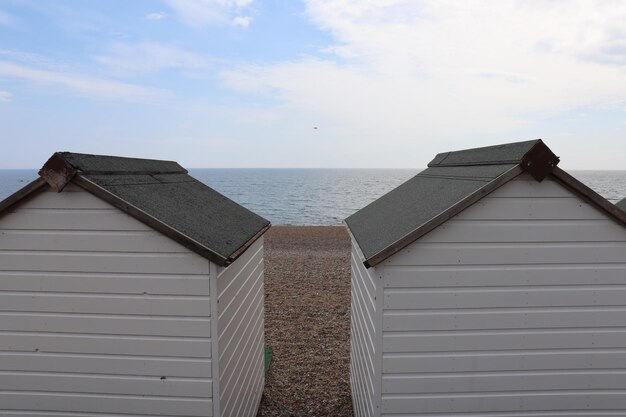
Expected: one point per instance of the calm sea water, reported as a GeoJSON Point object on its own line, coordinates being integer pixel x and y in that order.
{"type": "Point", "coordinates": [316, 196]}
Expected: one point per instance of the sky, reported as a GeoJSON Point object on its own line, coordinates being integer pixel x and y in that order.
{"type": "Point", "coordinates": [312, 83]}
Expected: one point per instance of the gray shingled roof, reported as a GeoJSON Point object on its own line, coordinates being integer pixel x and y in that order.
{"type": "Point", "coordinates": [452, 181]}
{"type": "Point", "coordinates": [622, 204]}
{"type": "Point", "coordinates": [163, 195]}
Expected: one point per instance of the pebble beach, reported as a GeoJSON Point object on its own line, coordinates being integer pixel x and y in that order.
{"type": "Point", "coordinates": [307, 322]}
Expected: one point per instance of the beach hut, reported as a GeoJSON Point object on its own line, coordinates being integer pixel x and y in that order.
{"type": "Point", "coordinates": [493, 283]}
{"type": "Point", "coordinates": [622, 204]}
{"type": "Point", "coordinates": [129, 288]}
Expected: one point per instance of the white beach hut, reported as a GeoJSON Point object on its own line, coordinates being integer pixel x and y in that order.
{"type": "Point", "coordinates": [128, 288]}
{"type": "Point", "coordinates": [491, 284]}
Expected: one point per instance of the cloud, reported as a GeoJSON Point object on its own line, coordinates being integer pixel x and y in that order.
{"type": "Point", "coordinates": [243, 21]}
{"type": "Point", "coordinates": [81, 84]}
{"type": "Point", "coordinates": [7, 19]}
{"type": "Point", "coordinates": [198, 13]}
{"type": "Point", "coordinates": [155, 16]}
{"type": "Point", "coordinates": [442, 69]}
{"type": "Point", "coordinates": [5, 96]}
{"type": "Point", "coordinates": [149, 57]}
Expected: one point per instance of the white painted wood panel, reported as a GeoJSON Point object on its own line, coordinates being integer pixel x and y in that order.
{"type": "Point", "coordinates": [514, 318]}
{"type": "Point", "coordinates": [511, 402]}
{"type": "Point", "coordinates": [504, 382]}
{"type": "Point", "coordinates": [49, 199]}
{"type": "Point", "coordinates": [504, 275]}
{"type": "Point", "coordinates": [240, 333]}
{"type": "Point", "coordinates": [499, 253]}
{"type": "Point", "coordinates": [113, 262]}
{"type": "Point", "coordinates": [514, 307]}
{"type": "Point", "coordinates": [493, 297]}
{"type": "Point", "coordinates": [153, 305]}
{"type": "Point", "coordinates": [104, 384]}
{"type": "Point", "coordinates": [105, 344]}
{"type": "Point", "coordinates": [118, 404]}
{"type": "Point", "coordinates": [536, 208]}
{"type": "Point", "coordinates": [70, 219]}
{"type": "Point", "coordinates": [104, 283]}
{"type": "Point", "coordinates": [89, 241]}
{"type": "Point", "coordinates": [525, 185]}
{"type": "Point", "coordinates": [489, 361]}
{"type": "Point", "coordinates": [105, 324]}
{"type": "Point", "coordinates": [364, 347]}
{"type": "Point", "coordinates": [106, 364]}
{"type": "Point", "coordinates": [503, 340]}
{"type": "Point", "coordinates": [541, 231]}
{"type": "Point", "coordinates": [99, 314]}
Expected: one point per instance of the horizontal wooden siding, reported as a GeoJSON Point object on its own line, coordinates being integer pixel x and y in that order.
{"type": "Point", "coordinates": [241, 336]}
{"type": "Point", "coordinates": [99, 314]}
{"type": "Point", "coordinates": [515, 307]}
{"type": "Point", "coordinates": [364, 340]}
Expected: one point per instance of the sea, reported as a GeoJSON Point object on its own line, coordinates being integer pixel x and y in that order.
{"type": "Point", "coordinates": [315, 197]}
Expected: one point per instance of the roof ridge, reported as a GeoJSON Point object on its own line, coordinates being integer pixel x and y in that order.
{"type": "Point", "coordinates": [61, 167]}
{"type": "Point", "coordinates": [452, 181]}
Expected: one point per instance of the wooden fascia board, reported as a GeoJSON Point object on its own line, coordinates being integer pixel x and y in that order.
{"type": "Point", "coordinates": [443, 217]}
{"type": "Point", "coordinates": [590, 195]}
{"type": "Point", "coordinates": [21, 194]}
{"type": "Point", "coordinates": [149, 220]}
{"type": "Point", "coordinates": [246, 245]}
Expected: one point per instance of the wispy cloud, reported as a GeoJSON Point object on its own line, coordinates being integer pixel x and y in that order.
{"type": "Point", "coordinates": [448, 68]}
{"type": "Point", "coordinates": [5, 96]}
{"type": "Point", "coordinates": [81, 84]}
{"type": "Point", "coordinates": [156, 16]}
{"type": "Point", "coordinates": [6, 19]}
{"type": "Point", "coordinates": [198, 13]}
{"type": "Point", "coordinates": [150, 57]}
{"type": "Point", "coordinates": [243, 21]}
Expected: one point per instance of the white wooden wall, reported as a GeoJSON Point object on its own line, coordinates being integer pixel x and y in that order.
{"type": "Point", "coordinates": [241, 337]}
{"type": "Point", "coordinates": [99, 314]}
{"type": "Point", "coordinates": [365, 339]}
{"type": "Point", "coordinates": [516, 307]}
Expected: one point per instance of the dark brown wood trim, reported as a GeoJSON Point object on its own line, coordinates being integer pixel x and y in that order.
{"type": "Point", "coordinates": [232, 258]}
{"type": "Point", "coordinates": [443, 217]}
{"type": "Point", "coordinates": [590, 195]}
{"type": "Point", "coordinates": [539, 161]}
{"type": "Point", "coordinates": [57, 172]}
{"type": "Point", "coordinates": [147, 219]}
{"type": "Point", "coordinates": [21, 193]}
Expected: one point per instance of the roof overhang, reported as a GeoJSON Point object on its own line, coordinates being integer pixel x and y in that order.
{"type": "Point", "coordinates": [442, 217]}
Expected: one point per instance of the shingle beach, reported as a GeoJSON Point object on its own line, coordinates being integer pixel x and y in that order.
{"type": "Point", "coordinates": [307, 322]}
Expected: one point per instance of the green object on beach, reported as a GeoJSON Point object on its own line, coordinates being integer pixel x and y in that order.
{"type": "Point", "coordinates": [268, 357]}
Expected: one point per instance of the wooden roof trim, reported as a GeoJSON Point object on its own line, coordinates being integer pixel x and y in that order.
{"type": "Point", "coordinates": [57, 172]}
{"type": "Point", "coordinates": [21, 193]}
{"type": "Point", "coordinates": [443, 217]}
{"type": "Point", "coordinates": [590, 195]}
{"type": "Point", "coordinates": [539, 161]}
{"type": "Point", "coordinates": [151, 221]}
{"type": "Point", "coordinates": [246, 245]}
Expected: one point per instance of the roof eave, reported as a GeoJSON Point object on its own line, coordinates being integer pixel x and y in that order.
{"type": "Point", "coordinates": [442, 217]}
{"type": "Point", "coordinates": [360, 253]}
{"type": "Point", "coordinates": [232, 258]}
{"type": "Point", "coordinates": [151, 221]}
{"type": "Point", "coordinates": [21, 194]}
{"type": "Point", "coordinates": [590, 195]}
